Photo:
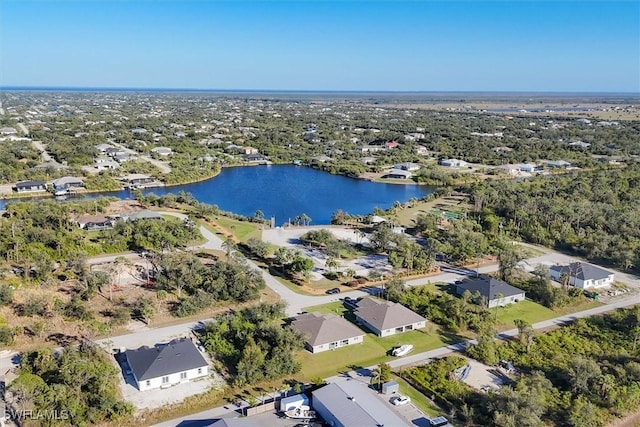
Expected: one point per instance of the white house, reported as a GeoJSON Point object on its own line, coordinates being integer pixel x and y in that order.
{"type": "Point", "coordinates": [386, 318]}
{"type": "Point", "coordinates": [326, 332]}
{"type": "Point", "coordinates": [162, 151]}
{"type": "Point", "coordinates": [583, 275]}
{"type": "Point", "coordinates": [494, 292]}
{"type": "Point", "coordinates": [165, 365]}
{"type": "Point", "coordinates": [453, 163]}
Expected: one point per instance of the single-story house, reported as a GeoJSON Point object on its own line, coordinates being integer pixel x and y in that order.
{"type": "Point", "coordinates": [138, 179]}
{"type": "Point", "coordinates": [528, 167]}
{"type": "Point", "coordinates": [391, 144]}
{"type": "Point", "coordinates": [583, 275]}
{"type": "Point", "coordinates": [26, 186]}
{"type": "Point", "coordinates": [8, 131]}
{"type": "Point", "coordinates": [558, 164]}
{"type": "Point", "coordinates": [370, 148]}
{"type": "Point", "coordinates": [162, 151]}
{"type": "Point", "coordinates": [422, 150]}
{"type": "Point", "coordinates": [103, 147]}
{"type": "Point", "coordinates": [94, 222]}
{"type": "Point", "coordinates": [321, 159]}
{"type": "Point", "coordinates": [165, 365]}
{"type": "Point", "coordinates": [144, 215]}
{"type": "Point", "coordinates": [398, 174]}
{"type": "Point", "coordinates": [386, 318]}
{"type": "Point", "coordinates": [114, 151]}
{"type": "Point", "coordinates": [254, 157]}
{"type": "Point", "coordinates": [453, 163]}
{"type": "Point", "coordinates": [367, 160]}
{"type": "Point", "coordinates": [353, 404]}
{"type": "Point", "coordinates": [67, 182]}
{"type": "Point", "coordinates": [326, 332]}
{"type": "Point", "coordinates": [250, 150]}
{"type": "Point", "coordinates": [106, 165]}
{"type": "Point", "coordinates": [411, 167]}
{"type": "Point", "coordinates": [496, 293]}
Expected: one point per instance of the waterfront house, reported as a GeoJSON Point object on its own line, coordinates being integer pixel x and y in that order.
{"type": "Point", "coordinates": [136, 179]}
{"type": "Point", "coordinates": [453, 163]}
{"type": "Point", "coordinates": [494, 292]}
{"type": "Point", "coordinates": [398, 174]}
{"type": "Point", "coordinates": [27, 186]}
{"type": "Point", "coordinates": [67, 182]}
{"type": "Point", "coordinates": [386, 318]}
{"type": "Point", "coordinates": [326, 332]}
{"type": "Point", "coordinates": [165, 365]}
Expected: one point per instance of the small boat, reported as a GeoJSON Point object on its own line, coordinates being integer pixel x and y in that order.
{"type": "Point", "coordinates": [402, 350]}
{"type": "Point", "coordinates": [301, 413]}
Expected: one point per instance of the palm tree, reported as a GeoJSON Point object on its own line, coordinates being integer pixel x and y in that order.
{"type": "Point", "coordinates": [229, 246]}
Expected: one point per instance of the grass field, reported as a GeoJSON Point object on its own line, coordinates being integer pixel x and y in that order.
{"type": "Point", "coordinates": [525, 310]}
{"type": "Point", "coordinates": [372, 352]}
{"type": "Point", "coordinates": [241, 229]}
{"type": "Point", "coordinates": [405, 217]}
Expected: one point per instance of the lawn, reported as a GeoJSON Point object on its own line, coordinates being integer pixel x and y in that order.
{"type": "Point", "coordinates": [372, 352]}
{"type": "Point", "coordinates": [417, 398]}
{"type": "Point", "coordinates": [241, 229]}
{"type": "Point", "coordinates": [526, 310]}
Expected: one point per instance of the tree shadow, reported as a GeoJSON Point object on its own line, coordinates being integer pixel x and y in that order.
{"type": "Point", "coordinates": [450, 338]}
{"type": "Point", "coordinates": [63, 340]}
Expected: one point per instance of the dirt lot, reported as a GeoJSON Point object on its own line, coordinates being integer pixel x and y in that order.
{"type": "Point", "coordinates": [481, 376]}
{"type": "Point", "coordinates": [363, 266]}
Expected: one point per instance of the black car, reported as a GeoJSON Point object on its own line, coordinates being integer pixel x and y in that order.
{"type": "Point", "coordinates": [333, 291]}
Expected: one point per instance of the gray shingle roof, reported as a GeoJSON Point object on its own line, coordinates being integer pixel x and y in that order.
{"type": "Point", "coordinates": [582, 271]}
{"type": "Point", "coordinates": [489, 287]}
{"type": "Point", "coordinates": [386, 314]}
{"type": "Point", "coordinates": [324, 329]}
{"type": "Point", "coordinates": [177, 356]}
{"type": "Point", "coordinates": [354, 405]}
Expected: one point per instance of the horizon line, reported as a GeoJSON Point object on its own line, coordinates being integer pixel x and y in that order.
{"type": "Point", "coordinates": [328, 91]}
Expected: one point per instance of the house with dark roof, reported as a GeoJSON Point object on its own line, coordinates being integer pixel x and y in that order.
{"type": "Point", "coordinates": [326, 332]}
{"type": "Point", "coordinates": [582, 275]}
{"type": "Point", "coordinates": [386, 318]}
{"type": "Point", "coordinates": [398, 174]}
{"type": "Point", "coordinates": [494, 292]}
{"type": "Point", "coordinates": [26, 186]}
{"type": "Point", "coordinates": [353, 404]}
{"type": "Point", "coordinates": [165, 365]}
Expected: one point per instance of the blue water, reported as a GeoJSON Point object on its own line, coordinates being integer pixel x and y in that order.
{"type": "Point", "coordinates": [285, 191]}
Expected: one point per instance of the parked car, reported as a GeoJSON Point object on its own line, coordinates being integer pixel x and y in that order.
{"type": "Point", "coordinates": [400, 400]}
{"type": "Point", "coordinates": [440, 422]}
{"type": "Point", "coordinates": [333, 291]}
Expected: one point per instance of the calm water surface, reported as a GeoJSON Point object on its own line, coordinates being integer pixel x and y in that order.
{"type": "Point", "coordinates": [285, 191]}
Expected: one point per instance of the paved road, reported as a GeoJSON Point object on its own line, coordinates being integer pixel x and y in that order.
{"type": "Point", "coordinates": [160, 165]}
{"type": "Point", "coordinates": [362, 374]}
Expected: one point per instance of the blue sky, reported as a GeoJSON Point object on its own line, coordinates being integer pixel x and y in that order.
{"type": "Point", "coordinates": [305, 45]}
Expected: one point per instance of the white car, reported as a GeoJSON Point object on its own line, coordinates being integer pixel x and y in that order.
{"type": "Point", "coordinates": [400, 400]}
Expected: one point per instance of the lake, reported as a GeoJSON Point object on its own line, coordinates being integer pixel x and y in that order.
{"type": "Point", "coordinates": [285, 191]}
